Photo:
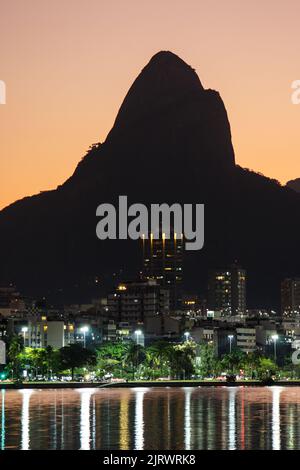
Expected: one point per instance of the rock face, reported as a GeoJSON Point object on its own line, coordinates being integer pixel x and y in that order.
{"type": "Point", "coordinates": [171, 142]}
{"type": "Point", "coordinates": [294, 184]}
{"type": "Point", "coordinates": [168, 128]}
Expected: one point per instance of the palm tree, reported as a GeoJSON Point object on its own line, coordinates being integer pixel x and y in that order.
{"type": "Point", "coordinates": [134, 355]}
{"type": "Point", "coordinates": [158, 355]}
{"type": "Point", "coordinates": [182, 359]}
{"type": "Point", "coordinates": [14, 351]}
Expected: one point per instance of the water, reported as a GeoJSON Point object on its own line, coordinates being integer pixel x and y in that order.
{"type": "Point", "coordinates": [151, 418]}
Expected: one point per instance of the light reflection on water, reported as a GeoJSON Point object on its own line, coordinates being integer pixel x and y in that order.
{"type": "Point", "coordinates": [151, 418]}
{"type": "Point", "coordinates": [139, 419]}
{"type": "Point", "coordinates": [25, 420]}
{"type": "Point", "coordinates": [276, 418]}
{"type": "Point", "coordinates": [85, 418]}
{"type": "Point", "coordinates": [232, 418]}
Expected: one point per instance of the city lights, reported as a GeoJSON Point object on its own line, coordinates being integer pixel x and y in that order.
{"type": "Point", "coordinates": [24, 331]}
{"type": "Point", "coordinates": [275, 338]}
{"type": "Point", "coordinates": [230, 337]}
{"type": "Point", "coordinates": [84, 330]}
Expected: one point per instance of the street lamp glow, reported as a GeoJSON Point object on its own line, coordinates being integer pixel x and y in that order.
{"type": "Point", "coordinates": [187, 335]}
{"type": "Point", "coordinates": [230, 337]}
{"type": "Point", "coordinates": [84, 330]}
{"type": "Point", "coordinates": [24, 331]}
{"type": "Point", "coordinates": [138, 337]}
{"type": "Point", "coordinates": [275, 338]}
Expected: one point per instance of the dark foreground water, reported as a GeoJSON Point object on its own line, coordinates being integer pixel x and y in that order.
{"type": "Point", "coordinates": [149, 418]}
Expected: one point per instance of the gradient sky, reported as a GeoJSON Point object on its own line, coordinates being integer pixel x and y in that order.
{"type": "Point", "coordinates": [68, 64]}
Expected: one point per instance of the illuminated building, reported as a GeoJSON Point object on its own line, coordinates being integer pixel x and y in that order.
{"type": "Point", "coordinates": [42, 333]}
{"type": "Point", "coordinates": [163, 261]}
{"type": "Point", "coordinates": [227, 291]}
{"type": "Point", "coordinates": [193, 306]}
{"type": "Point", "coordinates": [290, 297]}
{"type": "Point", "coordinates": [132, 302]}
{"type": "Point", "coordinates": [109, 330]}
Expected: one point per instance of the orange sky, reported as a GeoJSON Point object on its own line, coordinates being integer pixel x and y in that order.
{"type": "Point", "coordinates": [67, 65]}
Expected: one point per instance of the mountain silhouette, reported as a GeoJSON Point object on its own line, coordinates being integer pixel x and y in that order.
{"type": "Point", "coordinates": [294, 184]}
{"type": "Point", "coordinates": [171, 142]}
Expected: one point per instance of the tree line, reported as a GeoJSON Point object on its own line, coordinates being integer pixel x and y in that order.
{"type": "Point", "coordinates": [131, 361]}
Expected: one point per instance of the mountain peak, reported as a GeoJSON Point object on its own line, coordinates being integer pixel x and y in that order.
{"type": "Point", "coordinates": [167, 58]}
{"type": "Point", "coordinates": [164, 81]}
{"type": "Point", "coordinates": [166, 62]}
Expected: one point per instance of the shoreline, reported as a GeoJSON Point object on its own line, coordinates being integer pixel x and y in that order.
{"type": "Point", "coordinates": [150, 384]}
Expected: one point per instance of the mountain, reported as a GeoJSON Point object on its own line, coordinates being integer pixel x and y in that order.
{"type": "Point", "coordinates": [171, 142]}
{"type": "Point", "coordinates": [294, 184]}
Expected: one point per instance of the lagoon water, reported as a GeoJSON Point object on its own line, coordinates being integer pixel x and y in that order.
{"type": "Point", "coordinates": [151, 418]}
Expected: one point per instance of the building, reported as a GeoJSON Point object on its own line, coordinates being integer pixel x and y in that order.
{"type": "Point", "coordinates": [41, 333]}
{"type": "Point", "coordinates": [264, 333]}
{"type": "Point", "coordinates": [10, 301]}
{"type": "Point", "coordinates": [3, 327]}
{"type": "Point", "coordinates": [133, 302]}
{"type": "Point", "coordinates": [109, 331]}
{"type": "Point", "coordinates": [246, 339]}
{"type": "Point", "coordinates": [290, 297]}
{"type": "Point", "coordinates": [124, 331]}
{"type": "Point", "coordinates": [192, 306]}
{"type": "Point", "coordinates": [112, 331]}
{"type": "Point", "coordinates": [291, 329]}
{"type": "Point", "coordinates": [164, 327]}
{"type": "Point", "coordinates": [203, 334]}
{"type": "Point", "coordinates": [227, 291]}
{"type": "Point", "coordinates": [163, 262]}
{"type": "Point", "coordinates": [224, 340]}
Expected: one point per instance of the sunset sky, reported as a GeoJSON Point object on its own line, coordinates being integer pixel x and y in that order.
{"type": "Point", "coordinates": [68, 64]}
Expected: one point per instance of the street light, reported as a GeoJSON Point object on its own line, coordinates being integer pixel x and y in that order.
{"type": "Point", "coordinates": [137, 334]}
{"type": "Point", "coordinates": [187, 335]}
{"type": "Point", "coordinates": [275, 338]}
{"type": "Point", "coordinates": [84, 330]}
{"type": "Point", "coordinates": [24, 331]}
{"type": "Point", "coordinates": [230, 337]}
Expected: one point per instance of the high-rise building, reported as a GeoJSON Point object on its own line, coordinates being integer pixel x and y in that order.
{"type": "Point", "coordinates": [290, 297]}
{"type": "Point", "coordinates": [163, 262]}
{"type": "Point", "coordinates": [133, 302]}
{"type": "Point", "coordinates": [227, 291]}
